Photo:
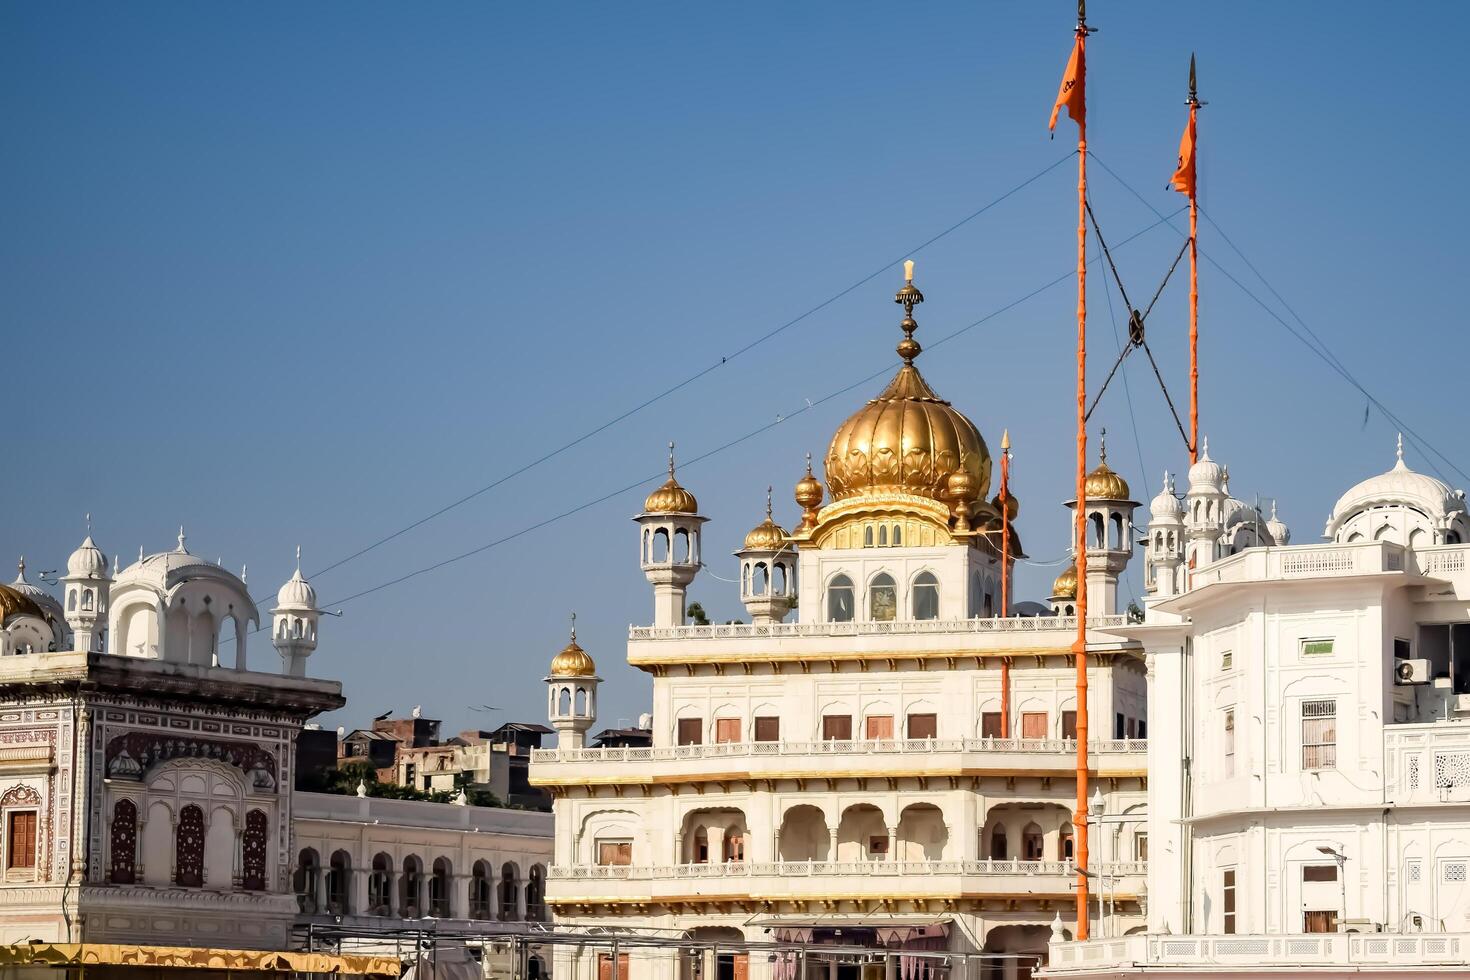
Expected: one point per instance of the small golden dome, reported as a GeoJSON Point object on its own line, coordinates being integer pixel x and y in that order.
{"type": "Point", "coordinates": [767, 535]}
{"type": "Point", "coordinates": [960, 486]}
{"type": "Point", "coordinates": [573, 661]}
{"type": "Point", "coordinates": [1102, 483]}
{"type": "Point", "coordinates": [671, 498]}
{"type": "Point", "coordinates": [16, 603]}
{"type": "Point", "coordinates": [809, 490]}
{"type": "Point", "coordinates": [1065, 586]}
{"type": "Point", "coordinates": [908, 439]}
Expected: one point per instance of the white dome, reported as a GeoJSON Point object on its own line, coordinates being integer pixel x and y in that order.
{"type": "Point", "coordinates": [49, 604]}
{"type": "Point", "coordinates": [1239, 512]}
{"type": "Point", "coordinates": [1403, 487]}
{"type": "Point", "coordinates": [1206, 475]}
{"type": "Point", "coordinates": [1165, 506]}
{"type": "Point", "coordinates": [87, 561]}
{"type": "Point", "coordinates": [165, 572]}
{"type": "Point", "coordinates": [297, 593]}
{"type": "Point", "coordinates": [1280, 533]}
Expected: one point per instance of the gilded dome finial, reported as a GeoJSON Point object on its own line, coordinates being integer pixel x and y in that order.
{"type": "Point", "coordinates": [574, 626]}
{"type": "Point", "coordinates": [768, 500]}
{"type": "Point", "coordinates": [671, 459]}
{"type": "Point", "coordinates": [671, 498]}
{"type": "Point", "coordinates": [908, 297]}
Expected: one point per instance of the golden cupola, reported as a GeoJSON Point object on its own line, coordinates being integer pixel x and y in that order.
{"type": "Point", "coordinates": [908, 440]}
{"type": "Point", "coordinates": [1102, 483]}
{"type": "Point", "coordinates": [1065, 586]}
{"type": "Point", "coordinates": [13, 602]}
{"type": "Point", "coordinates": [573, 661]}
{"type": "Point", "coordinates": [671, 498]}
{"type": "Point", "coordinates": [767, 535]}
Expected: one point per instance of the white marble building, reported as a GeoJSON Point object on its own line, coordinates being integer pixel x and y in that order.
{"type": "Point", "coordinates": [1313, 817]}
{"type": "Point", "coordinates": [895, 767]}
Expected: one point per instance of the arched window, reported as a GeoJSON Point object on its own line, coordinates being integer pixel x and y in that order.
{"type": "Point", "coordinates": [305, 881]}
{"type": "Point", "coordinates": [839, 600]}
{"type": "Point", "coordinates": [760, 583]}
{"type": "Point", "coordinates": [536, 894]}
{"type": "Point", "coordinates": [480, 891]}
{"type": "Point", "coordinates": [682, 554]}
{"type": "Point", "coordinates": [564, 703]}
{"type": "Point", "coordinates": [339, 877]}
{"type": "Point", "coordinates": [660, 553]}
{"type": "Point", "coordinates": [581, 701]}
{"type": "Point", "coordinates": [439, 889]}
{"type": "Point", "coordinates": [868, 536]}
{"type": "Point", "coordinates": [926, 596]}
{"type": "Point", "coordinates": [1031, 843]}
{"type": "Point", "coordinates": [882, 599]}
{"type": "Point", "coordinates": [701, 846]}
{"type": "Point", "coordinates": [509, 892]}
{"type": "Point", "coordinates": [1064, 843]}
{"type": "Point", "coordinates": [410, 888]}
{"type": "Point", "coordinates": [897, 535]}
{"type": "Point", "coordinates": [86, 600]}
{"type": "Point", "coordinates": [999, 848]}
{"type": "Point", "coordinates": [1116, 527]}
{"type": "Point", "coordinates": [883, 536]}
{"type": "Point", "coordinates": [254, 845]}
{"type": "Point", "coordinates": [975, 594]}
{"type": "Point", "coordinates": [189, 848]}
{"type": "Point", "coordinates": [1099, 537]}
{"type": "Point", "coordinates": [124, 842]}
{"type": "Point", "coordinates": [380, 886]}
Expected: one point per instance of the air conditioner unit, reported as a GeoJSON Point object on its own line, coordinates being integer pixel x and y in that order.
{"type": "Point", "coordinates": [1360, 925]}
{"type": "Point", "coordinates": [1411, 672]}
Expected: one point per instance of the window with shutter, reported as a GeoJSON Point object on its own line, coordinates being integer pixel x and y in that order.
{"type": "Point", "coordinates": [1319, 734]}
{"type": "Point", "coordinates": [1033, 724]}
{"type": "Point", "coordinates": [836, 728]}
{"type": "Point", "coordinates": [691, 731]}
{"type": "Point", "coordinates": [768, 729]}
{"type": "Point", "coordinates": [614, 852]}
{"type": "Point", "coordinates": [20, 836]}
{"type": "Point", "coordinates": [878, 727]}
{"type": "Point", "coordinates": [990, 724]}
{"type": "Point", "coordinates": [1069, 724]}
{"type": "Point", "coordinates": [727, 729]}
{"type": "Point", "coordinates": [923, 726]}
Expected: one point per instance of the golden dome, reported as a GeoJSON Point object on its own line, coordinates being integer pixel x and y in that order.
{"type": "Point", "coordinates": [767, 535]}
{"type": "Point", "coordinates": [1065, 586]}
{"type": "Point", "coordinates": [573, 661]}
{"type": "Point", "coordinates": [1102, 483]}
{"type": "Point", "coordinates": [16, 603]}
{"type": "Point", "coordinates": [809, 490]}
{"type": "Point", "coordinates": [908, 439]}
{"type": "Point", "coordinates": [670, 498]}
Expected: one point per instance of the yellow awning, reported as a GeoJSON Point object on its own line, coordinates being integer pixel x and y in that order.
{"type": "Point", "coordinates": [195, 958]}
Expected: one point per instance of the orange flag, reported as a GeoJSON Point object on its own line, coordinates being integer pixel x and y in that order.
{"type": "Point", "coordinates": [1183, 179]}
{"type": "Point", "coordinates": [1071, 91]}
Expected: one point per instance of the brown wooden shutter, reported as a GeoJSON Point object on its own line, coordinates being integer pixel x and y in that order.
{"type": "Point", "coordinates": [768, 729]}
{"type": "Point", "coordinates": [990, 724]}
{"type": "Point", "coordinates": [878, 727]}
{"type": "Point", "coordinates": [1069, 724]}
{"type": "Point", "coordinates": [691, 731]}
{"type": "Point", "coordinates": [923, 726]}
{"type": "Point", "coordinates": [727, 729]}
{"type": "Point", "coordinates": [836, 728]}
{"type": "Point", "coordinates": [22, 838]}
{"type": "Point", "coordinates": [1033, 724]}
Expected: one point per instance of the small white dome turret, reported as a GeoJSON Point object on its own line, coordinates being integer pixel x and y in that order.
{"type": "Point", "coordinates": [1280, 533]}
{"type": "Point", "coordinates": [1206, 474]}
{"type": "Point", "coordinates": [1165, 507]}
{"type": "Point", "coordinates": [1400, 506]}
{"type": "Point", "coordinates": [294, 622]}
{"type": "Point", "coordinates": [88, 591]}
{"type": "Point", "coordinates": [87, 561]}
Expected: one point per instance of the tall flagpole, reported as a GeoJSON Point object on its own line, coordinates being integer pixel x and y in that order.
{"type": "Point", "coordinates": [1194, 105]}
{"type": "Point", "coordinates": [1079, 647]}
{"type": "Point", "coordinates": [1005, 576]}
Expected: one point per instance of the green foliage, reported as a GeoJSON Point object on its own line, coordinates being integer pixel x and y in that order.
{"type": "Point", "coordinates": [697, 614]}
{"type": "Point", "coordinates": [343, 781]}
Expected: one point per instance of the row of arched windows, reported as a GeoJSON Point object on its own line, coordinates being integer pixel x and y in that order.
{"type": "Point", "coordinates": [408, 892]}
{"type": "Point", "coordinates": [886, 536]}
{"type": "Point", "coordinates": [189, 834]}
{"type": "Point", "coordinates": [882, 598]}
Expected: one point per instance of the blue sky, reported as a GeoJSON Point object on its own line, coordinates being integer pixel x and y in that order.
{"type": "Point", "coordinates": [305, 273]}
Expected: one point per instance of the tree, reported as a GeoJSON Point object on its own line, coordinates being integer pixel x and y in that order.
{"type": "Point", "coordinates": [697, 615]}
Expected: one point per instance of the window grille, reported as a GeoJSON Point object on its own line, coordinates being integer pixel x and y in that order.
{"type": "Point", "coordinates": [1451, 770]}
{"type": "Point", "coordinates": [1319, 734]}
{"type": "Point", "coordinates": [1454, 871]}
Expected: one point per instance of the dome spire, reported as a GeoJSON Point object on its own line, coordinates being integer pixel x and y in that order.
{"type": "Point", "coordinates": [671, 459]}
{"type": "Point", "coordinates": [768, 501]}
{"type": "Point", "coordinates": [181, 549]}
{"type": "Point", "coordinates": [1399, 465]}
{"type": "Point", "coordinates": [574, 626]}
{"type": "Point", "coordinates": [908, 297]}
{"type": "Point", "coordinates": [1102, 447]}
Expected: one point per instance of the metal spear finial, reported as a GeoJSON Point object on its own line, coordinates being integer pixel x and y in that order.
{"type": "Point", "coordinates": [574, 627]}
{"type": "Point", "coordinates": [768, 502]}
{"type": "Point", "coordinates": [1193, 89]}
{"type": "Point", "coordinates": [671, 459]}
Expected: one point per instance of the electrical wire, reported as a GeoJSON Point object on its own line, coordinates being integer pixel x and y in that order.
{"type": "Point", "coordinates": [1319, 348]}
{"type": "Point", "coordinates": [807, 406]}
{"type": "Point", "coordinates": [725, 359]}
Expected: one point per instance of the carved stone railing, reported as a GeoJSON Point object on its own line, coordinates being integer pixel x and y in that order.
{"type": "Point", "coordinates": [864, 747]}
{"type": "Point", "coordinates": [1010, 624]}
{"type": "Point", "coordinates": [816, 869]}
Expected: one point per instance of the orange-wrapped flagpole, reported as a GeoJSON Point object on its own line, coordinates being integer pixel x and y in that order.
{"type": "Point", "coordinates": [1005, 576]}
{"type": "Point", "coordinates": [1073, 96]}
{"type": "Point", "coordinates": [1184, 181]}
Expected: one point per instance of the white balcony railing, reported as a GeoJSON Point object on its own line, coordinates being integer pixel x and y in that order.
{"type": "Point", "coordinates": [1302, 561]}
{"type": "Point", "coordinates": [1285, 954]}
{"type": "Point", "coordinates": [1010, 624]}
{"type": "Point", "coordinates": [815, 869]}
{"type": "Point", "coordinates": [916, 746]}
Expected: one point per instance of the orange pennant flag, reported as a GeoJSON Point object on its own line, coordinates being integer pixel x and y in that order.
{"type": "Point", "coordinates": [1183, 179]}
{"type": "Point", "coordinates": [1072, 84]}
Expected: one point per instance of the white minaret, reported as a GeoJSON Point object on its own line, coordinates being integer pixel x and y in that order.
{"type": "Point", "coordinates": [294, 622]}
{"type": "Point", "coordinates": [571, 693]}
{"type": "Point", "coordinates": [767, 570]}
{"type": "Point", "coordinates": [1204, 510]}
{"type": "Point", "coordinates": [1109, 532]}
{"type": "Point", "coordinates": [669, 530]}
{"type": "Point", "coordinates": [1165, 541]}
{"type": "Point", "coordinates": [87, 584]}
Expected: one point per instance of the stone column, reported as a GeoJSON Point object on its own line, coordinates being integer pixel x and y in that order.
{"type": "Point", "coordinates": [832, 846]}
{"type": "Point", "coordinates": [459, 887]}
{"type": "Point", "coordinates": [893, 843]}
{"type": "Point", "coordinates": [776, 844]}
{"type": "Point", "coordinates": [357, 890]}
